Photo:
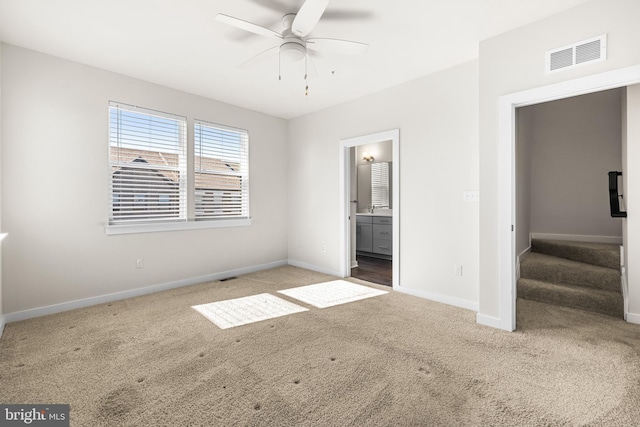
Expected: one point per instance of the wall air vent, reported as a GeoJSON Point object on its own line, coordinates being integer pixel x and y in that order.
{"type": "Point", "coordinates": [576, 54]}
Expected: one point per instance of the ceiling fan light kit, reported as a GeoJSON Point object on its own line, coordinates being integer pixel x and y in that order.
{"type": "Point", "coordinates": [293, 51]}
{"type": "Point", "coordinates": [294, 43]}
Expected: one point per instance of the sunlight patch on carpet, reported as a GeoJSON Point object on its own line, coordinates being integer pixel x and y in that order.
{"type": "Point", "coordinates": [241, 311]}
{"type": "Point", "coordinates": [332, 293]}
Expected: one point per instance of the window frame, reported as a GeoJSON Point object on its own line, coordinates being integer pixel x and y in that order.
{"type": "Point", "coordinates": [189, 221]}
{"type": "Point", "coordinates": [211, 138]}
{"type": "Point", "coordinates": [147, 158]}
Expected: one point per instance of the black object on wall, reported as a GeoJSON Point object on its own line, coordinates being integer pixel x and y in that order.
{"type": "Point", "coordinates": [614, 197]}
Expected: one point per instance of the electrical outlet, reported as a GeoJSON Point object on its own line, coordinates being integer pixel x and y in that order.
{"type": "Point", "coordinates": [139, 263]}
{"type": "Point", "coordinates": [323, 248]}
{"type": "Point", "coordinates": [472, 196]}
{"type": "Point", "coordinates": [457, 270]}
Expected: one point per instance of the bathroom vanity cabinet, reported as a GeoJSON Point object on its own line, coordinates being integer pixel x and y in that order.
{"type": "Point", "coordinates": [374, 235]}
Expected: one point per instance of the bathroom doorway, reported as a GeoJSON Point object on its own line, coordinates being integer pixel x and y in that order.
{"type": "Point", "coordinates": [372, 194]}
{"type": "Point", "coordinates": [371, 215]}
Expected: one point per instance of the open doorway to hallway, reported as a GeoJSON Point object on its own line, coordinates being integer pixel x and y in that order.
{"type": "Point", "coordinates": [567, 242]}
{"type": "Point", "coordinates": [507, 212]}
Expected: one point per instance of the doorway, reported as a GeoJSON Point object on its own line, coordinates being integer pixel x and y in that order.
{"type": "Point", "coordinates": [372, 196]}
{"type": "Point", "coordinates": [349, 208]}
{"type": "Point", "coordinates": [565, 234]}
{"type": "Point", "coordinates": [507, 178]}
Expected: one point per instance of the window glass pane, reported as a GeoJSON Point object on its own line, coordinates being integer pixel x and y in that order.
{"type": "Point", "coordinates": [147, 165]}
{"type": "Point", "coordinates": [221, 161]}
{"type": "Point", "coordinates": [380, 185]}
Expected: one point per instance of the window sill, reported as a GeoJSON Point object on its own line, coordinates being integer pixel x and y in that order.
{"type": "Point", "coordinates": [174, 226]}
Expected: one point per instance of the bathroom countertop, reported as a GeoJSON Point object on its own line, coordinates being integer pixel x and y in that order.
{"type": "Point", "coordinates": [374, 214]}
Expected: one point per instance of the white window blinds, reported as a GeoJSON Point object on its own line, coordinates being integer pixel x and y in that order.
{"type": "Point", "coordinates": [380, 184]}
{"type": "Point", "coordinates": [148, 165]}
{"type": "Point", "coordinates": [221, 158]}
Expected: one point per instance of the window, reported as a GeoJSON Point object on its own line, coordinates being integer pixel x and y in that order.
{"type": "Point", "coordinates": [151, 186]}
{"type": "Point", "coordinates": [380, 184]}
{"type": "Point", "coordinates": [147, 158]}
{"type": "Point", "coordinates": [221, 158]}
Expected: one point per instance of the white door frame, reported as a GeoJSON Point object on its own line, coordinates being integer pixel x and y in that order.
{"type": "Point", "coordinates": [392, 135]}
{"type": "Point", "coordinates": [506, 169]}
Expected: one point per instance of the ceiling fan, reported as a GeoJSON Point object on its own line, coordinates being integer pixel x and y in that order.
{"type": "Point", "coordinates": [294, 45]}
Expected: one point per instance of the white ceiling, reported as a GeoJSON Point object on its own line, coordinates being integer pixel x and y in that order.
{"type": "Point", "coordinates": [177, 43]}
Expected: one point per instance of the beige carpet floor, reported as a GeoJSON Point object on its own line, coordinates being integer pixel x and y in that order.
{"type": "Point", "coordinates": [391, 360]}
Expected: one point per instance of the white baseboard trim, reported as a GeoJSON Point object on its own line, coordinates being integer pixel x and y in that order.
{"type": "Point", "coordinates": [312, 267]}
{"type": "Point", "coordinates": [493, 322]}
{"type": "Point", "coordinates": [354, 264]}
{"type": "Point", "coordinates": [578, 238]}
{"type": "Point", "coordinates": [445, 299]}
{"type": "Point", "coordinates": [525, 253]}
{"type": "Point", "coordinates": [2, 323]}
{"type": "Point", "coordinates": [625, 292]}
{"type": "Point", "coordinates": [521, 258]}
{"type": "Point", "coordinates": [633, 318]}
{"type": "Point", "coordinates": [101, 299]}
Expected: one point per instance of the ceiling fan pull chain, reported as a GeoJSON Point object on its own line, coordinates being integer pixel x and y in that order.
{"type": "Point", "coordinates": [293, 40]}
{"type": "Point", "coordinates": [306, 89]}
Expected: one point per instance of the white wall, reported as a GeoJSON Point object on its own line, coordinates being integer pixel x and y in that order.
{"type": "Point", "coordinates": [437, 117]}
{"type": "Point", "coordinates": [625, 184]}
{"type": "Point", "coordinates": [572, 144]}
{"type": "Point", "coordinates": [54, 187]}
{"type": "Point", "coordinates": [632, 200]}
{"type": "Point", "coordinates": [514, 62]}
{"type": "Point", "coordinates": [1, 310]}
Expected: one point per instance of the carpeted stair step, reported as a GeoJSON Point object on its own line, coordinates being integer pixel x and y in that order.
{"type": "Point", "coordinates": [552, 269]}
{"type": "Point", "coordinates": [595, 300]}
{"type": "Point", "coordinates": [601, 254]}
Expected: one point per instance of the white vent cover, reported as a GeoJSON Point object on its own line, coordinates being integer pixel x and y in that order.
{"type": "Point", "coordinates": [576, 54]}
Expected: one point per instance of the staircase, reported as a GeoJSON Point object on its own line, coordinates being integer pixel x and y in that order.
{"type": "Point", "coordinates": [579, 275]}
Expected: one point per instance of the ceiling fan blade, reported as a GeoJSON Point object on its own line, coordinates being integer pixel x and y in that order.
{"type": "Point", "coordinates": [266, 54]}
{"type": "Point", "coordinates": [338, 46]}
{"type": "Point", "coordinates": [280, 6]}
{"type": "Point", "coordinates": [247, 26]}
{"type": "Point", "coordinates": [308, 16]}
{"type": "Point", "coordinates": [344, 15]}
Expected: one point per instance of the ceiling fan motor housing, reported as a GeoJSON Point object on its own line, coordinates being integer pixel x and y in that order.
{"type": "Point", "coordinates": [293, 39]}
{"type": "Point", "coordinates": [287, 20]}
{"type": "Point", "coordinates": [293, 50]}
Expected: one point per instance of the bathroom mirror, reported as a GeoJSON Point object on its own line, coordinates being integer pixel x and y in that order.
{"type": "Point", "coordinates": [374, 186]}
